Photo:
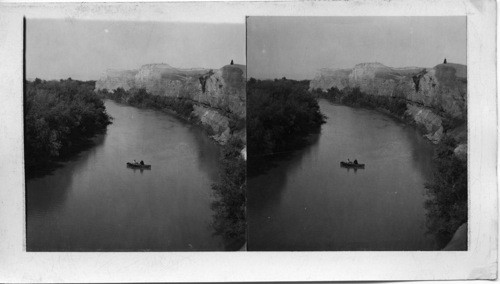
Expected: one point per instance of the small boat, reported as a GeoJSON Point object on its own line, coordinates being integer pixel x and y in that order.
{"type": "Point", "coordinates": [351, 165]}
{"type": "Point", "coordinates": [138, 166]}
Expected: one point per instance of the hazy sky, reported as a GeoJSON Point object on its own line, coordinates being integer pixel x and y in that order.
{"type": "Point", "coordinates": [57, 49]}
{"type": "Point", "coordinates": [295, 47]}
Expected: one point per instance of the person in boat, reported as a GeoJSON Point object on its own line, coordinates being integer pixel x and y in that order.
{"type": "Point", "coordinates": [349, 161]}
{"type": "Point", "coordinates": [142, 163]}
{"type": "Point", "coordinates": [355, 161]}
{"type": "Point", "coordinates": [135, 162]}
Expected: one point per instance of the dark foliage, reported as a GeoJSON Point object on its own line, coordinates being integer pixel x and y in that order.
{"type": "Point", "coordinates": [280, 114]}
{"type": "Point", "coordinates": [354, 97]}
{"type": "Point", "coordinates": [141, 98]}
{"type": "Point", "coordinates": [447, 207]}
{"type": "Point", "coordinates": [229, 219]}
{"type": "Point", "coordinates": [59, 118]}
{"type": "Point", "coordinates": [450, 123]}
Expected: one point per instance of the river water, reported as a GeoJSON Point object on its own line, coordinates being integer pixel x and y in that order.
{"type": "Point", "coordinates": [95, 202]}
{"type": "Point", "coordinates": [308, 202]}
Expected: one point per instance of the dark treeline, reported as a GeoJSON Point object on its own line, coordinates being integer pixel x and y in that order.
{"type": "Point", "coordinates": [181, 106]}
{"type": "Point", "coordinates": [396, 106]}
{"type": "Point", "coordinates": [141, 98]}
{"type": "Point", "coordinates": [229, 218]}
{"type": "Point", "coordinates": [354, 97]}
{"type": "Point", "coordinates": [281, 115]}
{"type": "Point", "coordinates": [60, 117]}
{"type": "Point", "coordinates": [447, 206]}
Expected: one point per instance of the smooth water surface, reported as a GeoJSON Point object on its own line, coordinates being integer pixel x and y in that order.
{"type": "Point", "coordinates": [95, 202]}
{"type": "Point", "coordinates": [308, 202]}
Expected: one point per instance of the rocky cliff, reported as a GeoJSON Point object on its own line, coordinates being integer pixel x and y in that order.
{"type": "Point", "coordinates": [431, 93]}
{"type": "Point", "coordinates": [219, 95]}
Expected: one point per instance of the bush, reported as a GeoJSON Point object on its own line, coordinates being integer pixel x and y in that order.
{"type": "Point", "coordinates": [59, 118]}
{"type": "Point", "coordinates": [279, 114]}
{"type": "Point", "coordinates": [230, 219]}
{"type": "Point", "coordinates": [354, 97]}
{"type": "Point", "coordinates": [447, 207]}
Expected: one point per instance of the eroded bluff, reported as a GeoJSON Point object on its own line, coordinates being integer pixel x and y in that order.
{"type": "Point", "coordinates": [431, 93]}
{"type": "Point", "coordinates": [218, 95]}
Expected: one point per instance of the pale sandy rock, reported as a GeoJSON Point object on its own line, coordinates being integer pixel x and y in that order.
{"type": "Point", "coordinates": [244, 153]}
{"type": "Point", "coordinates": [327, 78]}
{"type": "Point", "coordinates": [443, 87]}
{"type": "Point", "coordinates": [425, 117]}
{"type": "Point", "coordinates": [164, 80]}
{"type": "Point", "coordinates": [222, 91]}
{"type": "Point", "coordinates": [225, 89]}
{"type": "Point", "coordinates": [461, 151]}
{"type": "Point", "coordinates": [114, 79]}
{"type": "Point", "coordinates": [218, 123]}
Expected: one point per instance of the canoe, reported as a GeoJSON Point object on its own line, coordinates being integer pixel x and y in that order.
{"type": "Point", "coordinates": [138, 166]}
{"type": "Point", "coordinates": [351, 165]}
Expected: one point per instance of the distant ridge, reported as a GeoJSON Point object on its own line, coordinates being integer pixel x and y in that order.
{"type": "Point", "coordinates": [442, 87]}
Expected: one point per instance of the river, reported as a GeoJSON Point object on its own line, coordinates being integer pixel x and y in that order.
{"type": "Point", "coordinates": [307, 202]}
{"type": "Point", "coordinates": [95, 203]}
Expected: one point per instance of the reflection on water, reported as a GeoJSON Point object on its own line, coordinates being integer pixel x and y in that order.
{"type": "Point", "coordinates": [95, 202]}
{"type": "Point", "coordinates": [309, 202]}
{"type": "Point", "coordinates": [355, 170]}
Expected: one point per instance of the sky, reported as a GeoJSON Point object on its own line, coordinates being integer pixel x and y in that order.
{"type": "Point", "coordinates": [83, 50]}
{"type": "Point", "coordinates": [296, 47]}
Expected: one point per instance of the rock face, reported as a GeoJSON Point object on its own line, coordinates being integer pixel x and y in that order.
{"type": "Point", "coordinates": [428, 119]}
{"type": "Point", "coordinates": [225, 89]}
{"type": "Point", "coordinates": [114, 79]}
{"type": "Point", "coordinates": [218, 123]}
{"type": "Point", "coordinates": [442, 88]}
{"type": "Point", "coordinates": [430, 93]}
{"type": "Point", "coordinates": [218, 94]}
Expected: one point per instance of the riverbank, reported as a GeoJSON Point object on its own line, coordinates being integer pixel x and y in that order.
{"type": "Point", "coordinates": [308, 202]}
{"type": "Point", "coordinates": [220, 124]}
{"type": "Point", "coordinates": [60, 120]}
{"type": "Point", "coordinates": [229, 217]}
{"type": "Point", "coordinates": [282, 115]}
{"type": "Point", "coordinates": [447, 206]}
{"type": "Point", "coordinates": [95, 197]}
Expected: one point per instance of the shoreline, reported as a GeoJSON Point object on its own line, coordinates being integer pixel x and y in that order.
{"type": "Point", "coordinates": [458, 240]}
{"type": "Point", "coordinates": [194, 121]}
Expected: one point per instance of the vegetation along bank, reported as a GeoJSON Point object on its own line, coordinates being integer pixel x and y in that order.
{"type": "Point", "coordinates": [281, 116]}
{"type": "Point", "coordinates": [432, 99]}
{"type": "Point", "coordinates": [213, 99]}
{"type": "Point", "coordinates": [60, 118]}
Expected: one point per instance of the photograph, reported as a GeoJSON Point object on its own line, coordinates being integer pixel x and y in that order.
{"type": "Point", "coordinates": [357, 133]}
{"type": "Point", "coordinates": [134, 135]}
{"type": "Point", "coordinates": [248, 141]}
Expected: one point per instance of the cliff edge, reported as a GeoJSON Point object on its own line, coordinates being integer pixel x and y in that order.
{"type": "Point", "coordinates": [431, 94]}
{"type": "Point", "coordinates": [219, 95]}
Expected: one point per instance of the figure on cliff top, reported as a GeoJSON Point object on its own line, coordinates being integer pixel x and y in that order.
{"type": "Point", "coordinates": [444, 61]}
{"type": "Point", "coordinates": [232, 62]}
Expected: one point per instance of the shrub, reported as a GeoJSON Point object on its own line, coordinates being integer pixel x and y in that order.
{"type": "Point", "coordinates": [229, 218]}
{"type": "Point", "coordinates": [279, 113]}
{"type": "Point", "coordinates": [59, 118]}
